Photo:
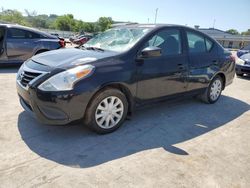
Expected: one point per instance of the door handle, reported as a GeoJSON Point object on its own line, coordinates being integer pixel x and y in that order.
{"type": "Point", "coordinates": [181, 66]}
{"type": "Point", "coordinates": [179, 74]}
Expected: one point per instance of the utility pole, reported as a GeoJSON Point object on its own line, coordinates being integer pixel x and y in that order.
{"type": "Point", "coordinates": [156, 13]}
{"type": "Point", "coordinates": [214, 23]}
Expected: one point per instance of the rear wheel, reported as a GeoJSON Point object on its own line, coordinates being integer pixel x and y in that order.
{"type": "Point", "coordinates": [107, 111]}
{"type": "Point", "coordinates": [213, 92]}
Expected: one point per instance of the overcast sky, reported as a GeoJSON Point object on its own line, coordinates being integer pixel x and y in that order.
{"type": "Point", "coordinates": [226, 13]}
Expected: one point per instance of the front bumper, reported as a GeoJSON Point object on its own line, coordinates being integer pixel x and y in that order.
{"type": "Point", "coordinates": [56, 108]}
{"type": "Point", "coordinates": [242, 69]}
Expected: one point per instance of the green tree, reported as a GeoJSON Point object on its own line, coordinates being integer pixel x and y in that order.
{"type": "Point", "coordinates": [65, 22]}
{"type": "Point", "coordinates": [246, 32]}
{"type": "Point", "coordinates": [232, 31]}
{"type": "Point", "coordinates": [53, 21]}
{"type": "Point", "coordinates": [90, 27]}
{"type": "Point", "coordinates": [105, 23]}
{"type": "Point", "coordinates": [13, 16]}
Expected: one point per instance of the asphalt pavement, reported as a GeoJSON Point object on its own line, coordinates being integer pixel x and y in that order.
{"type": "Point", "coordinates": [183, 143]}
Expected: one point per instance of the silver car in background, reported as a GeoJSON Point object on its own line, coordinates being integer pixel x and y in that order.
{"type": "Point", "coordinates": [19, 43]}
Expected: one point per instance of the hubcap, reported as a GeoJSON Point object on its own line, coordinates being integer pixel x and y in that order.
{"type": "Point", "coordinates": [215, 90]}
{"type": "Point", "coordinates": [109, 112]}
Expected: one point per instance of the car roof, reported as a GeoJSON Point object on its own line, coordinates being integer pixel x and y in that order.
{"type": "Point", "coordinates": [27, 28]}
{"type": "Point", "coordinates": [159, 26]}
{"type": "Point", "coordinates": [150, 26]}
{"type": "Point", "coordinates": [154, 27]}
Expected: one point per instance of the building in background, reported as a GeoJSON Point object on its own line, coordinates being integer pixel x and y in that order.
{"type": "Point", "coordinates": [227, 40]}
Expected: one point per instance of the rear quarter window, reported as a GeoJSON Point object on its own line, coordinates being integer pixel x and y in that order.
{"type": "Point", "coordinates": [209, 44]}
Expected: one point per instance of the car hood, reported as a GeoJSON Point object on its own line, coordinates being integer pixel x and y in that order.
{"type": "Point", "coordinates": [64, 58]}
{"type": "Point", "coordinates": [245, 57]}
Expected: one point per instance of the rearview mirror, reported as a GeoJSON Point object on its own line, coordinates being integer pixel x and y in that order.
{"type": "Point", "coordinates": [151, 51]}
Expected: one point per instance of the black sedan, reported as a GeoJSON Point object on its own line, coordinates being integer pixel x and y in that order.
{"type": "Point", "coordinates": [104, 81]}
{"type": "Point", "coordinates": [243, 51]}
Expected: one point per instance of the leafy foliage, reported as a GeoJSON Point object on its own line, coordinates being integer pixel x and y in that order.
{"type": "Point", "coordinates": [246, 32]}
{"type": "Point", "coordinates": [13, 16]}
{"type": "Point", "coordinates": [105, 23]}
{"type": "Point", "coordinates": [65, 22]}
{"type": "Point", "coordinates": [233, 31]}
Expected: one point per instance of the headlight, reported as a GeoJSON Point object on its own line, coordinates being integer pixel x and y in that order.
{"type": "Point", "coordinates": [240, 61]}
{"type": "Point", "coordinates": [65, 80]}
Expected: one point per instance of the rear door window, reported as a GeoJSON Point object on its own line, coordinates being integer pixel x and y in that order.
{"type": "Point", "coordinates": [14, 33]}
{"type": "Point", "coordinates": [198, 43]}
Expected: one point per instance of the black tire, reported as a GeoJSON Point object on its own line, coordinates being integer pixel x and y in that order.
{"type": "Point", "coordinates": [90, 116]}
{"type": "Point", "coordinates": [206, 97]}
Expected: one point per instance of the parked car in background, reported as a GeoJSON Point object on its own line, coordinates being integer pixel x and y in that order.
{"type": "Point", "coordinates": [106, 79]}
{"type": "Point", "coordinates": [243, 51]}
{"type": "Point", "coordinates": [82, 40]}
{"type": "Point", "coordinates": [61, 38]}
{"type": "Point", "coordinates": [243, 65]}
{"type": "Point", "coordinates": [72, 38]}
{"type": "Point", "coordinates": [19, 43]}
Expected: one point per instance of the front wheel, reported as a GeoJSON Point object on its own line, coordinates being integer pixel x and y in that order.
{"type": "Point", "coordinates": [213, 92]}
{"type": "Point", "coordinates": [107, 111]}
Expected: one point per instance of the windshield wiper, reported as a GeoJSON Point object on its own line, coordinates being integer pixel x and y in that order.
{"type": "Point", "coordinates": [93, 48]}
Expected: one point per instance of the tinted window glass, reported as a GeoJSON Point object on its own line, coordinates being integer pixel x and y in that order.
{"type": "Point", "coordinates": [22, 34]}
{"type": "Point", "coordinates": [16, 34]}
{"type": "Point", "coordinates": [33, 35]}
{"type": "Point", "coordinates": [196, 43]}
{"type": "Point", "coordinates": [2, 31]}
{"type": "Point", "coordinates": [209, 44]}
{"type": "Point", "coordinates": [168, 40]}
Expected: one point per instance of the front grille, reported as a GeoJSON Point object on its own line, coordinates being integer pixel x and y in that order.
{"type": "Point", "coordinates": [26, 77]}
{"type": "Point", "coordinates": [245, 70]}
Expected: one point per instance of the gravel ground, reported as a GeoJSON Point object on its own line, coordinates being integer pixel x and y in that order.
{"type": "Point", "coordinates": [172, 144]}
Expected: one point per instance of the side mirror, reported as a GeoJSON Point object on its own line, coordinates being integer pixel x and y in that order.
{"type": "Point", "coordinates": [150, 51]}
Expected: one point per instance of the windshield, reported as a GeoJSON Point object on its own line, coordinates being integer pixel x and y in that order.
{"type": "Point", "coordinates": [118, 39]}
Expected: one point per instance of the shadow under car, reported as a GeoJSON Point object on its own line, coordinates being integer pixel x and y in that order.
{"type": "Point", "coordinates": [162, 125]}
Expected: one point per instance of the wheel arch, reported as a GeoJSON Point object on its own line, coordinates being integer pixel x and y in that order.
{"type": "Point", "coordinates": [121, 87]}
{"type": "Point", "coordinates": [222, 76]}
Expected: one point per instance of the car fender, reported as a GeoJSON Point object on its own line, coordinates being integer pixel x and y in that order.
{"type": "Point", "coordinates": [128, 90]}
